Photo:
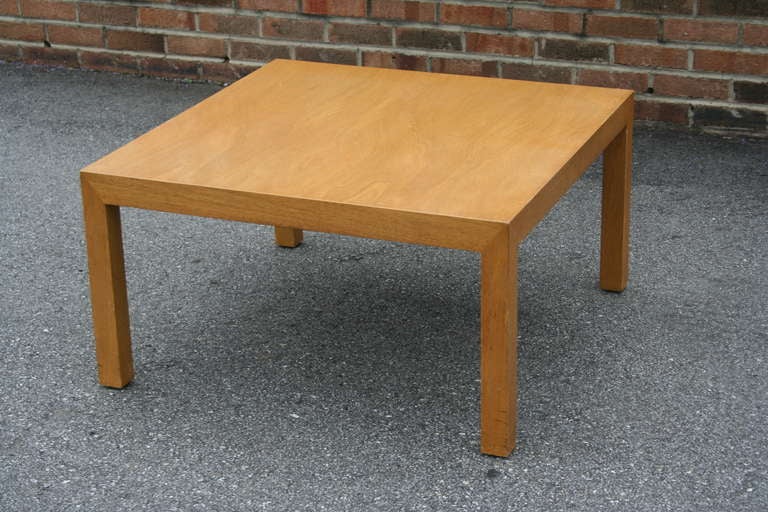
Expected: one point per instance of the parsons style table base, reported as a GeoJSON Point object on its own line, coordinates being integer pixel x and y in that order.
{"type": "Point", "coordinates": [452, 161]}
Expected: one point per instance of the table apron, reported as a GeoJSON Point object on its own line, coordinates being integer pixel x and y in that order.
{"type": "Point", "coordinates": [313, 215]}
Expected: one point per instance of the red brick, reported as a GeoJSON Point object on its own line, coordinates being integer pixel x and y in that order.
{"type": "Point", "coordinates": [658, 6]}
{"type": "Point", "coordinates": [590, 4]}
{"type": "Point", "coordinates": [657, 111]}
{"type": "Point", "coordinates": [75, 36]}
{"type": "Point", "coordinates": [536, 72]}
{"type": "Point", "coordinates": [675, 85]}
{"type": "Point", "coordinates": [21, 31]}
{"type": "Point", "coordinates": [394, 61]}
{"type": "Point", "coordinates": [9, 8]}
{"type": "Point", "coordinates": [109, 61]}
{"type": "Point", "coordinates": [108, 14]}
{"type": "Point", "coordinates": [170, 68]}
{"type": "Point", "coordinates": [622, 26]}
{"type": "Point", "coordinates": [332, 55]}
{"type": "Point", "coordinates": [305, 30]}
{"type": "Point", "coordinates": [635, 81]}
{"type": "Point", "coordinates": [553, 21]}
{"type": "Point", "coordinates": [166, 18]}
{"type": "Point", "coordinates": [190, 45]}
{"type": "Point", "coordinates": [746, 8]}
{"type": "Point", "coordinates": [43, 55]}
{"type": "Point", "coordinates": [568, 49]}
{"type": "Point", "coordinates": [731, 62]}
{"type": "Point", "coordinates": [705, 31]}
{"type": "Point", "coordinates": [493, 43]}
{"type": "Point", "coordinates": [10, 52]}
{"type": "Point", "coordinates": [397, 10]}
{"type": "Point", "coordinates": [473, 15]}
{"type": "Point", "coordinates": [428, 38]}
{"type": "Point", "coordinates": [335, 7]}
{"type": "Point", "coordinates": [269, 5]}
{"type": "Point", "coordinates": [464, 67]}
{"type": "Point", "coordinates": [48, 9]}
{"type": "Point", "coordinates": [360, 34]}
{"type": "Point", "coordinates": [729, 119]}
{"type": "Point", "coordinates": [229, 24]}
{"type": "Point", "coordinates": [751, 92]}
{"type": "Point", "coordinates": [257, 51]}
{"type": "Point", "coordinates": [756, 35]}
{"type": "Point", "coordinates": [196, 3]}
{"type": "Point", "coordinates": [225, 71]}
{"type": "Point", "coordinates": [651, 56]}
{"type": "Point", "coordinates": [135, 41]}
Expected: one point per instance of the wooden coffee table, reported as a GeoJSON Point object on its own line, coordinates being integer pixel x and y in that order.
{"type": "Point", "coordinates": [445, 160]}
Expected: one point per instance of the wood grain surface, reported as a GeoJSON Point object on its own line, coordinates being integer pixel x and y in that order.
{"type": "Point", "coordinates": [446, 145]}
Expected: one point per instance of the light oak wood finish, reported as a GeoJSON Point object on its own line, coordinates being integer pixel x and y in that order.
{"type": "Point", "coordinates": [614, 239]}
{"type": "Point", "coordinates": [445, 160]}
{"type": "Point", "coordinates": [109, 299]}
{"type": "Point", "coordinates": [498, 345]}
{"type": "Point", "coordinates": [288, 237]}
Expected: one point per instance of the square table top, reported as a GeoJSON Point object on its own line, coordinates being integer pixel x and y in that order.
{"type": "Point", "coordinates": [445, 145]}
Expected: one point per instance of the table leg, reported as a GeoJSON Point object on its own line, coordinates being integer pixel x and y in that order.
{"type": "Point", "coordinates": [498, 347]}
{"type": "Point", "coordinates": [614, 240]}
{"type": "Point", "coordinates": [288, 237]}
{"type": "Point", "coordinates": [109, 299]}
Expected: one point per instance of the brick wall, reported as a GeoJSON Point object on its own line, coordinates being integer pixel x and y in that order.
{"type": "Point", "coordinates": [700, 63]}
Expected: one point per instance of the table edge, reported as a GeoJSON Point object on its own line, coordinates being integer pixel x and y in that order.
{"type": "Point", "coordinates": [310, 214]}
{"type": "Point", "coordinates": [551, 192]}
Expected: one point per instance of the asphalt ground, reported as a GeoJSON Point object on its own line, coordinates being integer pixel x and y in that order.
{"type": "Point", "coordinates": [343, 375]}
